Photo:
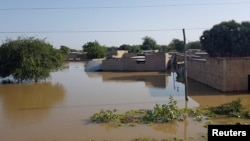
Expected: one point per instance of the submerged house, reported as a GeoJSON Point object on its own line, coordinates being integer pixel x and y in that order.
{"type": "Point", "coordinates": [147, 61]}
{"type": "Point", "coordinates": [226, 74]}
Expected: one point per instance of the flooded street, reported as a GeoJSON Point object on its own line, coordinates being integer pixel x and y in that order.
{"type": "Point", "coordinates": [60, 108]}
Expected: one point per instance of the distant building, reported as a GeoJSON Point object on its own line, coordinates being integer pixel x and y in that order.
{"type": "Point", "coordinates": [77, 56]}
{"type": "Point", "coordinates": [227, 74]}
{"type": "Point", "coordinates": [147, 61]}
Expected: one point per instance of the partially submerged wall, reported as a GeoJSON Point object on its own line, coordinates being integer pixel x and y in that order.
{"type": "Point", "coordinates": [225, 74]}
{"type": "Point", "coordinates": [237, 71]}
{"type": "Point", "coordinates": [155, 62]}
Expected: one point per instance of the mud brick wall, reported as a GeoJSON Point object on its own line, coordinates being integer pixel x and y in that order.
{"type": "Point", "coordinates": [155, 62]}
{"type": "Point", "coordinates": [224, 74]}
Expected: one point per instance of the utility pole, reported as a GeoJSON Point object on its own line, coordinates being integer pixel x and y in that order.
{"type": "Point", "coordinates": [185, 74]}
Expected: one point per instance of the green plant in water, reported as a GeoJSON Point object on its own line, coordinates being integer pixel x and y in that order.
{"type": "Point", "coordinates": [152, 139]}
{"type": "Point", "coordinates": [196, 113]}
{"type": "Point", "coordinates": [105, 116]}
{"type": "Point", "coordinates": [231, 109]}
{"type": "Point", "coordinates": [133, 116]}
{"type": "Point", "coordinates": [164, 113]}
{"type": "Point", "coordinates": [207, 123]}
{"type": "Point", "coordinates": [169, 112]}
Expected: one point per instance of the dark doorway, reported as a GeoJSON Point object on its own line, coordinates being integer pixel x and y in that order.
{"type": "Point", "coordinates": [248, 83]}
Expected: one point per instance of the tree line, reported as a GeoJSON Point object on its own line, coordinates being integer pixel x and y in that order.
{"type": "Point", "coordinates": [227, 39]}
{"type": "Point", "coordinates": [95, 50]}
{"type": "Point", "coordinates": [32, 59]}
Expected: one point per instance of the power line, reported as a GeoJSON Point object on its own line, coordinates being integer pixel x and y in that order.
{"type": "Point", "coordinates": [123, 7]}
{"type": "Point", "coordinates": [99, 31]}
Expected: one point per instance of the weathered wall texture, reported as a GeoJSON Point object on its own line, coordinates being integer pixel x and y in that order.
{"type": "Point", "coordinates": [151, 79]}
{"type": "Point", "coordinates": [225, 74]}
{"type": "Point", "coordinates": [155, 62]}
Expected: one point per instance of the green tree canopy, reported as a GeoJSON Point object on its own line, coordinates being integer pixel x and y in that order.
{"type": "Point", "coordinates": [112, 48]}
{"type": "Point", "coordinates": [227, 39]}
{"type": "Point", "coordinates": [131, 49]}
{"type": "Point", "coordinates": [177, 45]}
{"type": "Point", "coordinates": [73, 50]}
{"type": "Point", "coordinates": [194, 45]}
{"type": "Point", "coordinates": [149, 44]}
{"type": "Point", "coordinates": [124, 47]}
{"type": "Point", "coordinates": [134, 49]}
{"type": "Point", "coordinates": [94, 50]}
{"type": "Point", "coordinates": [65, 50]}
{"type": "Point", "coordinates": [165, 48]}
{"type": "Point", "coordinates": [28, 59]}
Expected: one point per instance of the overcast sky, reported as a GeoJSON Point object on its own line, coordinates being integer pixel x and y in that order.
{"type": "Point", "coordinates": [115, 22]}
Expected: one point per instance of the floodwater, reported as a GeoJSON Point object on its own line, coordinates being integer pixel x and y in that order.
{"type": "Point", "coordinates": [60, 107]}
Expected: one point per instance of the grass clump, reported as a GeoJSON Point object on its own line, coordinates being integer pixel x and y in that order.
{"type": "Point", "coordinates": [231, 109]}
{"type": "Point", "coordinates": [152, 139]}
{"type": "Point", "coordinates": [164, 113]}
{"type": "Point", "coordinates": [107, 116]}
{"type": "Point", "coordinates": [160, 114]}
{"type": "Point", "coordinates": [170, 112]}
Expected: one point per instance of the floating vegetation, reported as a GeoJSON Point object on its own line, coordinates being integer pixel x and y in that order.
{"type": "Point", "coordinates": [170, 112]}
{"type": "Point", "coordinates": [107, 116]}
{"type": "Point", "coordinates": [231, 109]}
{"type": "Point", "coordinates": [160, 114]}
{"type": "Point", "coordinates": [204, 138]}
{"type": "Point", "coordinates": [164, 113]}
{"type": "Point", "coordinates": [152, 139]}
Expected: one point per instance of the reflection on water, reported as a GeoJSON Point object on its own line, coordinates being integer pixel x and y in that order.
{"type": "Point", "coordinates": [207, 96]}
{"type": "Point", "coordinates": [157, 82]}
{"type": "Point", "coordinates": [18, 97]}
{"type": "Point", "coordinates": [170, 127]}
{"type": "Point", "coordinates": [151, 79]}
{"type": "Point", "coordinates": [60, 108]}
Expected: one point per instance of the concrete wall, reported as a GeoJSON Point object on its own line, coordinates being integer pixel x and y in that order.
{"type": "Point", "coordinates": [225, 74]}
{"type": "Point", "coordinates": [236, 72]}
{"type": "Point", "coordinates": [155, 62]}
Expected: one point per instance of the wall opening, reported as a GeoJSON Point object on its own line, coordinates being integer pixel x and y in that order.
{"type": "Point", "coordinates": [248, 83]}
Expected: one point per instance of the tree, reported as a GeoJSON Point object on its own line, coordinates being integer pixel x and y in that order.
{"type": "Point", "coordinates": [73, 50]}
{"type": "Point", "coordinates": [177, 44]}
{"type": "Point", "coordinates": [65, 50]}
{"type": "Point", "coordinates": [149, 44]}
{"type": "Point", "coordinates": [227, 39]}
{"type": "Point", "coordinates": [164, 48]}
{"type": "Point", "coordinates": [28, 59]}
{"type": "Point", "coordinates": [194, 45]}
{"type": "Point", "coordinates": [94, 50]}
{"type": "Point", "coordinates": [134, 49]}
{"type": "Point", "coordinates": [112, 48]}
{"type": "Point", "coordinates": [124, 47]}
{"type": "Point", "coordinates": [131, 49]}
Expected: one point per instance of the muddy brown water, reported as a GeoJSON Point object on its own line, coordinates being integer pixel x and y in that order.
{"type": "Point", "coordinates": [60, 107]}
